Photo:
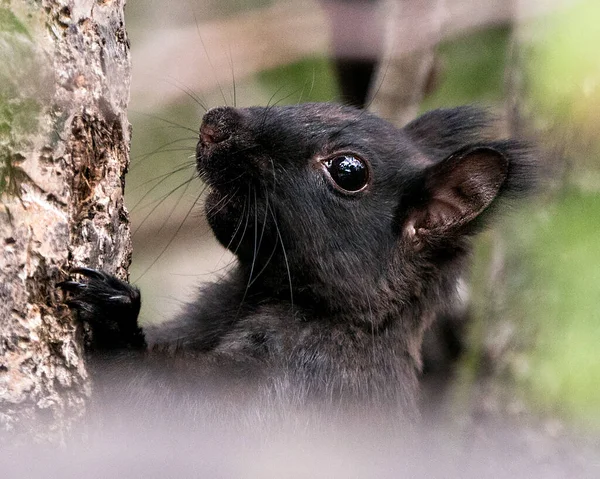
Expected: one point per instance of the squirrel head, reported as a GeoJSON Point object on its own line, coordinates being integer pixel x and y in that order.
{"type": "Point", "coordinates": [348, 211]}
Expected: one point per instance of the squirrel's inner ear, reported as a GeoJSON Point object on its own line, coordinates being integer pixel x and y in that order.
{"type": "Point", "coordinates": [457, 190]}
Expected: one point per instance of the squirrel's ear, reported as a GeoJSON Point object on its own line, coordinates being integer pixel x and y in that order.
{"type": "Point", "coordinates": [455, 192]}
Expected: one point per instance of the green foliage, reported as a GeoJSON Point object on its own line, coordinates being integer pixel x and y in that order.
{"type": "Point", "coordinates": [550, 290]}
{"type": "Point", "coordinates": [559, 298]}
{"type": "Point", "coordinates": [562, 64]}
{"type": "Point", "coordinates": [21, 92]}
{"type": "Point", "coordinates": [562, 74]}
{"type": "Point", "coordinates": [471, 70]}
{"type": "Point", "coordinates": [9, 23]}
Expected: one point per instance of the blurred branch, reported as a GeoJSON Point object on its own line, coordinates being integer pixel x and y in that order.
{"type": "Point", "coordinates": [281, 34]}
{"type": "Point", "coordinates": [403, 77]}
{"type": "Point", "coordinates": [206, 56]}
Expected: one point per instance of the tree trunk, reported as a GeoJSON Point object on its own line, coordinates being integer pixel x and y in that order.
{"type": "Point", "coordinates": [64, 143]}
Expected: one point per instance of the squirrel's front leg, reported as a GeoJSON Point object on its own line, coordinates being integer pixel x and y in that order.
{"type": "Point", "coordinates": [110, 308]}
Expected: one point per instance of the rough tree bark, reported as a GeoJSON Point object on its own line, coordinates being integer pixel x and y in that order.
{"type": "Point", "coordinates": [64, 143]}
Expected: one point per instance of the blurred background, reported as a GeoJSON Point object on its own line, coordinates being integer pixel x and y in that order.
{"type": "Point", "coordinates": [527, 340]}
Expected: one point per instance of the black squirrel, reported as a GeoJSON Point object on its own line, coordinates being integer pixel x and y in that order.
{"type": "Point", "coordinates": [350, 235]}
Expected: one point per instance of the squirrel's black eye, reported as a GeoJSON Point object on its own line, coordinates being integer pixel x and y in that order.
{"type": "Point", "coordinates": [348, 172]}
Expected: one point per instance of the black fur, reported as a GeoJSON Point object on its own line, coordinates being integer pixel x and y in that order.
{"type": "Point", "coordinates": [110, 307]}
{"type": "Point", "coordinates": [333, 290]}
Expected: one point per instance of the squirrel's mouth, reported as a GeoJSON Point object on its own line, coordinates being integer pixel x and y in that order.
{"type": "Point", "coordinates": [216, 139]}
{"type": "Point", "coordinates": [212, 140]}
{"type": "Point", "coordinates": [208, 155]}
{"type": "Point", "coordinates": [222, 149]}
{"type": "Point", "coordinates": [211, 134]}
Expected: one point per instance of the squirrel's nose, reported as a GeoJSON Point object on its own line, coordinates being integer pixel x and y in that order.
{"type": "Point", "coordinates": [210, 134]}
{"type": "Point", "coordinates": [218, 125]}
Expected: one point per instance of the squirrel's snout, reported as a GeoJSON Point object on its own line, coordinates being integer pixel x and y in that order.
{"type": "Point", "coordinates": [218, 125]}
{"type": "Point", "coordinates": [211, 135]}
